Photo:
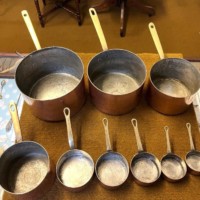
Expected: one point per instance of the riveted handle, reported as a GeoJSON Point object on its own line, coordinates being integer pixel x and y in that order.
{"type": "Point", "coordinates": [97, 25]}
{"type": "Point", "coordinates": [69, 128]}
{"type": "Point", "coordinates": [156, 40]}
{"type": "Point", "coordinates": [137, 135]}
{"type": "Point", "coordinates": [169, 149]}
{"type": "Point", "coordinates": [108, 144]}
{"type": "Point", "coordinates": [15, 119]}
{"type": "Point", "coordinates": [31, 30]}
{"type": "Point", "coordinates": [188, 126]}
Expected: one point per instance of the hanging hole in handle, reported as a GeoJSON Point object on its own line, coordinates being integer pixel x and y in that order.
{"type": "Point", "coordinates": [166, 128]}
{"type": "Point", "coordinates": [66, 111]}
{"type": "Point", "coordinates": [12, 107]}
{"type": "Point", "coordinates": [188, 125]}
{"type": "Point", "coordinates": [105, 121]}
{"type": "Point", "coordinates": [151, 25]}
{"type": "Point", "coordinates": [92, 11]}
{"type": "Point", "coordinates": [134, 122]}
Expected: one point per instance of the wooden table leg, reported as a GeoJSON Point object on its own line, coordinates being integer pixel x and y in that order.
{"type": "Point", "coordinates": [70, 9]}
{"type": "Point", "coordinates": [122, 18]}
{"type": "Point", "coordinates": [44, 2]}
{"type": "Point", "coordinates": [77, 2]}
{"type": "Point", "coordinates": [40, 16]}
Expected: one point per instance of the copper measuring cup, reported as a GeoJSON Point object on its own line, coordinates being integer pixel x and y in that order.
{"type": "Point", "coordinates": [172, 166]}
{"type": "Point", "coordinates": [75, 167]}
{"type": "Point", "coordinates": [193, 156]}
{"type": "Point", "coordinates": [145, 167]}
{"type": "Point", "coordinates": [111, 168]}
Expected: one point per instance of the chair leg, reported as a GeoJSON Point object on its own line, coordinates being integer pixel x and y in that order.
{"type": "Point", "coordinates": [122, 19]}
{"type": "Point", "coordinates": [144, 8]}
{"type": "Point", "coordinates": [44, 2]}
{"type": "Point", "coordinates": [39, 13]}
{"type": "Point", "coordinates": [77, 2]}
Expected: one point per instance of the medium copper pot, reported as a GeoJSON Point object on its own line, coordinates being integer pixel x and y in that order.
{"type": "Point", "coordinates": [116, 78]}
{"type": "Point", "coordinates": [51, 79]}
{"type": "Point", "coordinates": [173, 83]}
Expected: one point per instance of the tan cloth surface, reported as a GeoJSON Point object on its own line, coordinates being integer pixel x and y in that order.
{"type": "Point", "coordinates": [89, 136]}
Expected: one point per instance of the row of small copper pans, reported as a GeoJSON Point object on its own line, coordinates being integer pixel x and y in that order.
{"type": "Point", "coordinates": [26, 171]}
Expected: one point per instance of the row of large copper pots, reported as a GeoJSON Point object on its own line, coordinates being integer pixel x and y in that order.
{"type": "Point", "coordinates": [52, 78]}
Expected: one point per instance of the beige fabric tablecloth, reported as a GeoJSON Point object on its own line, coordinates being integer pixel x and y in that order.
{"type": "Point", "coordinates": [89, 136]}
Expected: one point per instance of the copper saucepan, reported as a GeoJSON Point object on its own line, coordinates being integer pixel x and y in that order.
{"type": "Point", "coordinates": [116, 77]}
{"type": "Point", "coordinates": [145, 167]}
{"type": "Point", "coordinates": [174, 82]}
{"type": "Point", "coordinates": [192, 158]}
{"type": "Point", "coordinates": [75, 168]}
{"type": "Point", "coordinates": [51, 79]}
{"type": "Point", "coordinates": [26, 171]}
{"type": "Point", "coordinates": [111, 168]}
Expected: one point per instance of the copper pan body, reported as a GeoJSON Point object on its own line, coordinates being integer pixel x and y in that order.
{"type": "Point", "coordinates": [26, 171]}
{"type": "Point", "coordinates": [173, 85]}
{"type": "Point", "coordinates": [20, 153]}
{"type": "Point", "coordinates": [116, 79]}
{"type": "Point", "coordinates": [51, 79]}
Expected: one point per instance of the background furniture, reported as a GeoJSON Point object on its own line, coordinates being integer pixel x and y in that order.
{"type": "Point", "coordinates": [59, 4]}
{"type": "Point", "coordinates": [105, 5]}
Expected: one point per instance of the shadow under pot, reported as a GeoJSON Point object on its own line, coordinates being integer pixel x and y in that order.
{"type": "Point", "coordinates": [173, 85]}
{"type": "Point", "coordinates": [51, 79]}
{"type": "Point", "coordinates": [116, 78]}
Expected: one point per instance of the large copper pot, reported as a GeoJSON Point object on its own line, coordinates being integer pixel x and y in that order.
{"type": "Point", "coordinates": [51, 79]}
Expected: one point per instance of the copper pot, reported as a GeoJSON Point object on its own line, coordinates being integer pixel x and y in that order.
{"type": "Point", "coordinates": [26, 171]}
{"type": "Point", "coordinates": [116, 77]}
{"type": "Point", "coordinates": [173, 83]}
{"type": "Point", "coordinates": [51, 79]}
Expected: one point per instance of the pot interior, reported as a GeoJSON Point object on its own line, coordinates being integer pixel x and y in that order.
{"type": "Point", "coordinates": [49, 73]}
{"type": "Point", "coordinates": [75, 168]}
{"type": "Point", "coordinates": [116, 72]}
{"type": "Point", "coordinates": [175, 77]}
{"type": "Point", "coordinates": [23, 167]}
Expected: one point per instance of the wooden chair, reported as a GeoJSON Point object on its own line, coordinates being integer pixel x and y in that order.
{"type": "Point", "coordinates": [105, 5]}
{"type": "Point", "coordinates": [59, 4]}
